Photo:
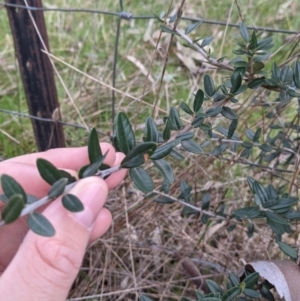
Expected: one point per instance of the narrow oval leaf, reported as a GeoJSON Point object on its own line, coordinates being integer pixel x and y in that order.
{"type": "Point", "coordinates": [276, 218]}
{"type": "Point", "coordinates": [40, 225]}
{"type": "Point", "coordinates": [174, 119]}
{"type": "Point", "coordinates": [167, 131]}
{"type": "Point", "coordinates": [296, 74]}
{"type": "Point", "coordinates": [251, 279]}
{"type": "Point", "coordinates": [209, 86]}
{"type": "Point", "coordinates": [185, 136]}
{"type": "Point", "coordinates": [206, 41]}
{"type": "Point", "coordinates": [48, 171]}
{"type": "Point", "coordinates": [214, 287]}
{"type": "Point", "coordinates": [232, 128]}
{"type": "Point", "coordinates": [124, 133]}
{"type": "Point", "coordinates": [248, 212]}
{"type": "Point", "coordinates": [167, 30]}
{"type": "Point", "coordinates": [231, 294]}
{"type": "Point", "coordinates": [244, 32]}
{"type": "Point", "coordinates": [191, 146]}
{"type": "Point", "coordinates": [214, 111]}
{"type": "Point", "coordinates": [163, 150]}
{"type": "Point", "coordinates": [192, 27]}
{"type": "Point", "coordinates": [58, 188]}
{"type": "Point", "coordinates": [94, 149]}
{"type": "Point", "coordinates": [198, 101]}
{"type": "Point", "coordinates": [186, 108]}
{"type": "Point", "coordinates": [152, 132]}
{"type": "Point", "coordinates": [11, 187]}
{"type": "Point", "coordinates": [141, 179]}
{"type": "Point", "coordinates": [91, 169]}
{"type": "Point", "coordinates": [13, 208]}
{"type": "Point", "coordinates": [228, 113]}
{"type": "Point", "coordinates": [72, 203]}
{"type": "Point", "coordinates": [236, 84]}
{"type": "Point", "coordinates": [289, 251]}
{"type": "Point", "coordinates": [251, 293]}
{"type": "Point", "coordinates": [175, 155]}
{"type": "Point", "coordinates": [220, 149]}
{"type": "Point", "coordinates": [134, 162]}
{"type": "Point", "coordinates": [233, 279]}
{"type": "Point", "coordinates": [137, 151]}
{"type": "Point", "coordinates": [165, 169]}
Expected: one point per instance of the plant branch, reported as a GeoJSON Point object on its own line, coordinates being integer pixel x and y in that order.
{"type": "Point", "coordinates": [30, 208]}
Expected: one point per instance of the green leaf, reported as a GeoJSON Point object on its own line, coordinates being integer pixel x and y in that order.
{"type": "Point", "coordinates": [40, 224]}
{"type": "Point", "coordinates": [72, 203]}
{"type": "Point", "coordinates": [198, 121]}
{"type": "Point", "coordinates": [186, 108]}
{"type": "Point", "coordinates": [167, 29]}
{"type": "Point", "coordinates": [185, 136]}
{"type": "Point", "coordinates": [251, 279]}
{"type": "Point", "coordinates": [209, 86]}
{"type": "Point", "coordinates": [257, 135]}
{"type": "Point", "coordinates": [231, 294]}
{"type": "Point", "coordinates": [175, 155]}
{"type": "Point", "coordinates": [57, 188]}
{"type": "Point", "coordinates": [214, 111]}
{"type": "Point", "coordinates": [255, 83]}
{"type": "Point", "coordinates": [191, 146]}
{"type": "Point", "coordinates": [287, 250]}
{"type": "Point", "coordinates": [296, 74]}
{"type": "Point", "coordinates": [276, 218]}
{"type": "Point", "coordinates": [141, 179]}
{"type": "Point", "coordinates": [248, 212]}
{"type": "Point", "coordinates": [48, 171]}
{"type": "Point", "coordinates": [198, 101]}
{"type": "Point", "coordinates": [236, 83]}
{"type": "Point", "coordinates": [65, 174]}
{"type": "Point", "coordinates": [206, 41]}
{"type": "Point", "coordinates": [11, 187]}
{"type": "Point", "coordinates": [138, 154]}
{"type": "Point", "coordinates": [228, 113]}
{"type": "Point", "coordinates": [94, 149]}
{"type": "Point", "coordinates": [163, 150]}
{"type": "Point", "coordinates": [232, 128]}
{"type": "Point", "coordinates": [124, 133]}
{"type": "Point", "coordinates": [192, 27]}
{"type": "Point", "coordinates": [266, 294]}
{"type": "Point", "coordinates": [167, 131]}
{"type": "Point", "coordinates": [251, 293]}
{"type": "Point", "coordinates": [174, 119]}
{"type": "Point", "coordinates": [244, 32]}
{"type": "Point", "coordinates": [91, 169]}
{"type": "Point", "coordinates": [165, 169]}
{"type": "Point", "coordinates": [220, 149]}
{"type": "Point", "coordinates": [214, 287]}
{"type": "Point", "coordinates": [233, 279]}
{"type": "Point", "coordinates": [152, 132]}
{"type": "Point", "coordinates": [13, 208]}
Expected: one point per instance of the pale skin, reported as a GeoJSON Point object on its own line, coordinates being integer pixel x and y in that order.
{"type": "Point", "coordinates": [33, 267]}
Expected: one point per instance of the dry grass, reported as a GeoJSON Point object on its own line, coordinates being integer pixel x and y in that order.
{"type": "Point", "coordinates": [144, 249]}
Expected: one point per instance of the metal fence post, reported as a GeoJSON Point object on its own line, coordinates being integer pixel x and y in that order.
{"type": "Point", "coordinates": [37, 73]}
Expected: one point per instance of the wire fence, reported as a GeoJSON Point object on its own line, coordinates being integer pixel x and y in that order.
{"type": "Point", "coordinates": [122, 15]}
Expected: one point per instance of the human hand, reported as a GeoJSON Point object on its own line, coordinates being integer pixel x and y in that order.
{"type": "Point", "coordinates": [44, 268]}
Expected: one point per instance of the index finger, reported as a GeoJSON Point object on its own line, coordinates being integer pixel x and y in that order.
{"type": "Point", "coordinates": [69, 158]}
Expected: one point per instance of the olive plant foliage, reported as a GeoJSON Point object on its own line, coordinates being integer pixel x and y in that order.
{"type": "Point", "coordinates": [246, 71]}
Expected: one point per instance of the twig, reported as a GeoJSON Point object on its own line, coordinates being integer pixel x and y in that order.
{"type": "Point", "coordinates": [30, 208]}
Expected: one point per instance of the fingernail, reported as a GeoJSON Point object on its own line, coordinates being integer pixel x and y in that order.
{"type": "Point", "coordinates": [93, 196]}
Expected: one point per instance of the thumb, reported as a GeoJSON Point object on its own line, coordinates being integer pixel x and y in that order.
{"type": "Point", "coordinates": [44, 268]}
